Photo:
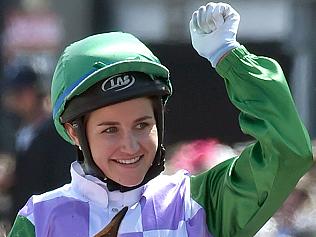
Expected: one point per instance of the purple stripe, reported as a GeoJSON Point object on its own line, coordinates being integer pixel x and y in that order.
{"type": "Point", "coordinates": [62, 217]}
{"type": "Point", "coordinates": [27, 209]}
{"type": "Point", "coordinates": [197, 226]}
{"type": "Point", "coordinates": [135, 234]}
{"type": "Point", "coordinates": [163, 205]}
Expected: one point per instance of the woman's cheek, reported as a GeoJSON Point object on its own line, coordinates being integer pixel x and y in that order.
{"type": "Point", "coordinates": [104, 142]}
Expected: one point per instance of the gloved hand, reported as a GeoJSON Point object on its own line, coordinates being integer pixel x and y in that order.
{"type": "Point", "coordinates": [213, 30]}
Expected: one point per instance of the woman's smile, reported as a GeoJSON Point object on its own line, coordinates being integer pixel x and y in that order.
{"type": "Point", "coordinates": [129, 161]}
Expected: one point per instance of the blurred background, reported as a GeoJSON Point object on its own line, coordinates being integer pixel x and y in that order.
{"type": "Point", "coordinates": [34, 32]}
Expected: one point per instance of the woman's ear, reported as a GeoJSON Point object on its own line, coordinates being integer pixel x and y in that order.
{"type": "Point", "coordinates": [72, 133]}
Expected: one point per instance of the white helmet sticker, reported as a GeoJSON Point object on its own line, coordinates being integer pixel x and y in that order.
{"type": "Point", "coordinates": [118, 83]}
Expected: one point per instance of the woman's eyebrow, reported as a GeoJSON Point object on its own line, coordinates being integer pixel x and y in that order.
{"type": "Point", "coordinates": [143, 118]}
{"type": "Point", "coordinates": [113, 123]}
{"type": "Point", "coordinates": [108, 123]}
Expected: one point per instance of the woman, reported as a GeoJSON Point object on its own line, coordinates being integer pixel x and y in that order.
{"type": "Point", "coordinates": [109, 93]}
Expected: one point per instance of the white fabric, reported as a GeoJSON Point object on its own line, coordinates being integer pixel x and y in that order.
{"type": "Point", "coordinates": [213, 30]}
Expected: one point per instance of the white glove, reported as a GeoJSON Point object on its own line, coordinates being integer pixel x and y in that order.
{"type": "Point", "coordinates": [213, 30]}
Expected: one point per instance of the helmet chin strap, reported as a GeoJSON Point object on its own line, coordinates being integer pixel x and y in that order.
{"type": "Point", "coordinates": [84, 156]}
{"type": "Point", "coordinates": [85, 159]}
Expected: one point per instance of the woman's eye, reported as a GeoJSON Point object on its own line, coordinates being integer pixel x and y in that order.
{"type": "Point", "coordinates": [141, 125]}
{"type": "Point", "coordinates": [110, 130]}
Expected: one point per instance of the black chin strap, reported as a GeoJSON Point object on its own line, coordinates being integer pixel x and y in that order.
{"type": "Point", "coordinates": [84, 156]}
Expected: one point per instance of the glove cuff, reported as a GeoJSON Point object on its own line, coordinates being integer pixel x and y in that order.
{"type": "Point", "coordinates": [214, 59]}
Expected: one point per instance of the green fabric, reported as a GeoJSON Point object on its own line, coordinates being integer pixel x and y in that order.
{"type": "Point", "coordinates": [241, 194]}
{"type": "Point", "coordinates": [97, 57]}
{"type": "Point", "coordinates": [22, 227]}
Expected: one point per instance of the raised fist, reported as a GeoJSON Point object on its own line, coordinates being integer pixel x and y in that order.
{"type": "Point", "coordinates": [213, 30]}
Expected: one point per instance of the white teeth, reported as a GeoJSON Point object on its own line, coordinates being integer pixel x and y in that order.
{"type": "Point", "coordinates": [131, 161]}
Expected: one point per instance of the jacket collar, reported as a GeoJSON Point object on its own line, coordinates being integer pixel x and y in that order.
{"type": "Point", "coordinates": [92, 189]}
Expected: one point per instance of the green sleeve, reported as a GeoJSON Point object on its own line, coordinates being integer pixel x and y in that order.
{"type": "Point", "coordinates": [241, 194]}
{"type": "Point", "coordinates": [22, 227]}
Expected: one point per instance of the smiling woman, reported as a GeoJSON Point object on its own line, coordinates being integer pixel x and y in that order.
{"type": "Point", "coordinates": [123, 139]}
{"type": "Point", "coordinates": [109, 93]}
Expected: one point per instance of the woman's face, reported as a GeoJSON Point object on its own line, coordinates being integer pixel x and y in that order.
{"type": "Point", "coordinates": [123, 140]}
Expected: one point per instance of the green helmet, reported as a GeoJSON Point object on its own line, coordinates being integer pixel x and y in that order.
{"type": "Point", "coordinates": [86, 62]}
{"type": "Point", "coordinates": [101, 70]}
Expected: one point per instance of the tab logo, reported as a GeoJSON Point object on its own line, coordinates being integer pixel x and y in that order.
{"type": "Point", "coordinates": [118, 83]}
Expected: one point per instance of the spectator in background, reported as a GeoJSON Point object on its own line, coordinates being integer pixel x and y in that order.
{"type": "Point", "coordinates": [302, 207]}
{"type": "Point", "coordinates": [198, 155]}
{"type": "Point", "coordinates": [23, 96]}
{"type": "Point", "coordinates": [6, 181]}
{"type": "Point", "coordinates": [37, 143]}
{"type": "Point", "coordinates": [9, 125]}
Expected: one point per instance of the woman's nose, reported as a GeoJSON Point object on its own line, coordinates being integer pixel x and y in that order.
{"type": "Point", "coordinates": [130, 144]}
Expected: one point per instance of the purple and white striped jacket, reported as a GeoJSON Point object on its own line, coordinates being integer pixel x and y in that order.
{"type": "Point", "coordinates": [163, 207]}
